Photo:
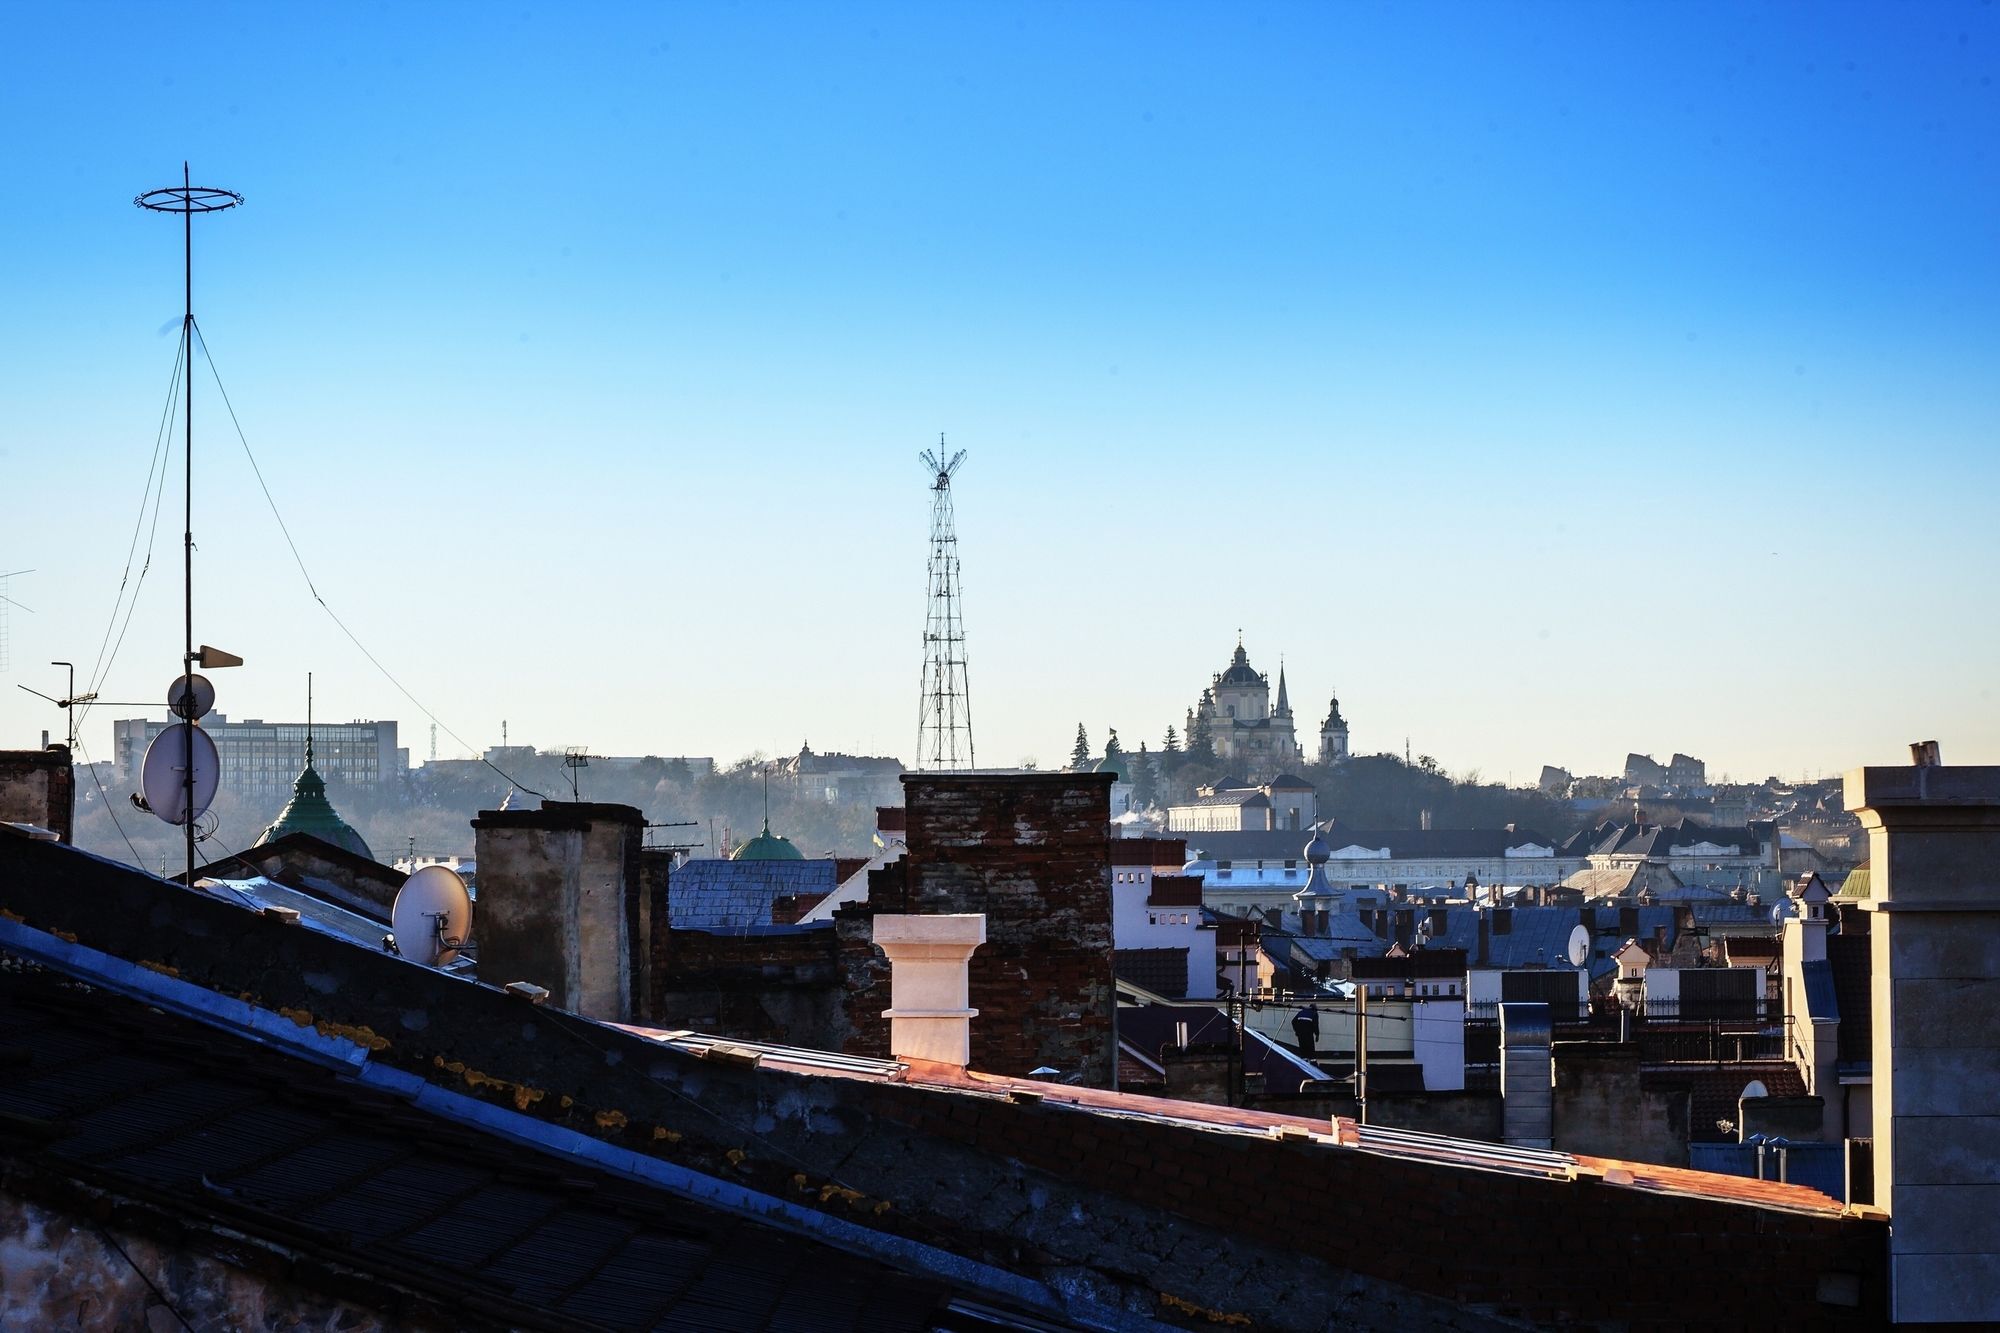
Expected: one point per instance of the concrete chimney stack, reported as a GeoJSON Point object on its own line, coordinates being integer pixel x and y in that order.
{"type": "Point", "coordinates": [1933, 842]}
{"type": "Point", "coordinates": [928, 957]}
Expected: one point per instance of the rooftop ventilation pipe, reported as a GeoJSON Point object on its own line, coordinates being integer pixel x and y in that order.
{"type": "Point", "coordinates": [1527, 1075]}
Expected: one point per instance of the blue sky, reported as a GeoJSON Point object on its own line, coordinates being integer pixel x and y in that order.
{"type": "Point", "coordinates": [1552, 381]}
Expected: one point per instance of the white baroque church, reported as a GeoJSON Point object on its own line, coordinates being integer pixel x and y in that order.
{"type": "Point", "coordinates": [1248, 731]}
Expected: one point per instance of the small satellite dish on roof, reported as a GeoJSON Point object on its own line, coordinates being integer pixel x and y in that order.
{"type": "Point", "coordinates": [191, 697]}
{"type": "Point", "coordinates": [1754, 1088]}
{"type": "Point", "coordinates": [163, 776]}
{"type": "Point", "coordinates": [432, 916]}
{"type": "Point", "coordinates": [1579, 946]}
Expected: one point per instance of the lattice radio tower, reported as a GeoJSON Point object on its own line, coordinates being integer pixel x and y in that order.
{"type": "Point", "coordinates": [944, 715]}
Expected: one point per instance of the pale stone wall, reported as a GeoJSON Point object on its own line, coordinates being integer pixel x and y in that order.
{"type": "Point", "coordinates": [1934, 843]}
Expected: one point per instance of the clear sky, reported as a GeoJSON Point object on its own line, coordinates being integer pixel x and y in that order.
{"type": "Point", "coordinates": [1552, 380]}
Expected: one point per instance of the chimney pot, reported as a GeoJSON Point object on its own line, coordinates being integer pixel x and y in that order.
{"type": "Point", "coordinates": [928, 956]}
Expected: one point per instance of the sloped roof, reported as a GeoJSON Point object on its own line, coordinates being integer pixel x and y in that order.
{"type": "Point", "coordinates": [1540, 935]}
{"type": "Point", "coordinates": [1660, 839]}
{"type": "Point", "coordinates": [1148, 1027]}
{"type": "Point", "coordinates": [1246, 799]}
{"type": "Point", "coordinates": [1161, 971]}
{"type": "Point", "coordinates": [1851, 967]}
{"type": "Point", "coordinates": [733, 895]}
{"type": "Point", "coordinates": [1403, 844]}
{"type": "Point", "coordinates": [211, 1133]}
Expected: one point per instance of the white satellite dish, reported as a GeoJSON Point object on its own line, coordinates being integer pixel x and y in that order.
{"type": "Point", "coordinates": [191, 697]}
{"type": "Point", "coordinates": [1754, 1088]}
{"type": "Point", "coordinates": [163, 777]}
{"type": "Point", "coordinates": [1579, 946]}
{"type": "Point", "coordinates": [432, 916]}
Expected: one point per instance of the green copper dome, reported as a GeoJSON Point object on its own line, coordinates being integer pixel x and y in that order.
{"type": "Point", "coordinates": [310, 812]}
{"type": "Point", "coordinates": [1114, 764]}
{"type": "Point", "coordinates": [768, 846]}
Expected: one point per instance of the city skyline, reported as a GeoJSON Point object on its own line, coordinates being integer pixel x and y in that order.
{"type": "Point", "coordinates": [1579, 385]}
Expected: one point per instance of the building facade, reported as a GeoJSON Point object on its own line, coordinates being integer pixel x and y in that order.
{"type": "Point", "coordinates": [1243, 725]}
{"type": "Point", "coordinates": [261, 759]}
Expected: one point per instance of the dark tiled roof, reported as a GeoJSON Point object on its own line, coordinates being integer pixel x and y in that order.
{"type": "Point", "coordinates": [217, 1132]}
{"type": "Point", "coordinates": [1853, 969]}
{"type": "Point", "coordinates": [1659, 839]}
{"type": "Point", "coordinates": [1161, 971]}
{"type": "Point", "coordinates": [733, 895]}
{"type": "Point", "coordinates": [1149, 852]}
{"type": "Point", "coordinates": [1714, 1092]}
{"type": "Point", "coordinates": [1541, 934]}
{"type": "Point", "coordinates": [1822, 1005]}
{"type": "Point", "coordinates": [1237, 798]}
{"type": "Point", "coordinates": [1288, 844]}
{"type": "Point", "coordinates": [1148, 1027]}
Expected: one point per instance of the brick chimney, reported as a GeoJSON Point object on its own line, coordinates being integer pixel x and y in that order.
{"type": "Point", "coordinates": [928, 985]}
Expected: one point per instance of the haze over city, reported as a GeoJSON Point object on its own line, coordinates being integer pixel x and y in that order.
{"type": "Point", "coordinates": [1552, 384]}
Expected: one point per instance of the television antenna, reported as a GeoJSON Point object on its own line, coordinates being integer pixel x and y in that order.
{"type": "Point", "coordinates": [944, 712]}
{"type": "Point", "coordinates": [431, 917]}
{"type": "Point", "coordinates": [575, 759]}
{"type": "Point", "coordinates": [187, 199]}
{"type": "Point", "coordinates": [7, 602]}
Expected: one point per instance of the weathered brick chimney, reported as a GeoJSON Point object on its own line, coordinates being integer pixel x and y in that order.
{"type": "Point", "coordinates": [39, 787]}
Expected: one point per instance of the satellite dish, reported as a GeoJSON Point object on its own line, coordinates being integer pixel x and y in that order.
{"type": "Point", "coordinates": [1754, 1088]}
{"type": "Point", "coordinates": [163, 777]}
{"type": "Point", "coordinates": [191, 697]}
{"type": "Point", "coordinates": [432, 916]}
{"type": "Point", "coordinates": [1579, 946]}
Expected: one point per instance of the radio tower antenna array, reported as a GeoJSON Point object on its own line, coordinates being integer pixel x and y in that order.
{"type": "Point", "coordinates": [944, 715]}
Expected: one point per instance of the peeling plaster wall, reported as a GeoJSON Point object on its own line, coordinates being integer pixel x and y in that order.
{"type": "Point", "coordinates": [60, 1271]}
{"type": "Point", "coordinates": [562, 904]}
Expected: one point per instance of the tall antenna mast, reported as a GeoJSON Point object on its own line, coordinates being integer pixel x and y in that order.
{"type": "Point", "coordinates": [188, 199]}
{"type": "Point", "coordinates": [944, 715]}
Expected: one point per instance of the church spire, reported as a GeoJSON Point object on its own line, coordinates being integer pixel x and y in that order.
{"type": "Point", "coordinates": [1284, 708]}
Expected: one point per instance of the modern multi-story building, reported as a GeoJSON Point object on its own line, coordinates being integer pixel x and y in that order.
{"type": "Point", "coordinates": [260, 759]}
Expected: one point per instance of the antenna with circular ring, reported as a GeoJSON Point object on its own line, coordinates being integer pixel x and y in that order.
{"type": "Point", "coordinates": [188, 199]}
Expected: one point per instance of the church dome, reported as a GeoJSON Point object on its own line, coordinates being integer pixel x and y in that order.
{"type": "Point", "coordinates": [768, 846]}
{"type": "Point", "coordinates": [1240, 671]}
{"type": "Point", "coordinates": [310, 812]}
{"type": "Point", "coordinates": [1317, 853]}
{"type": "Point", "coordinates": [1114, 764]}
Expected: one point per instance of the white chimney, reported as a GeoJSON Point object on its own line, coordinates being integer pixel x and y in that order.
{"type": "Point", "coordinates": [928, 1017]}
